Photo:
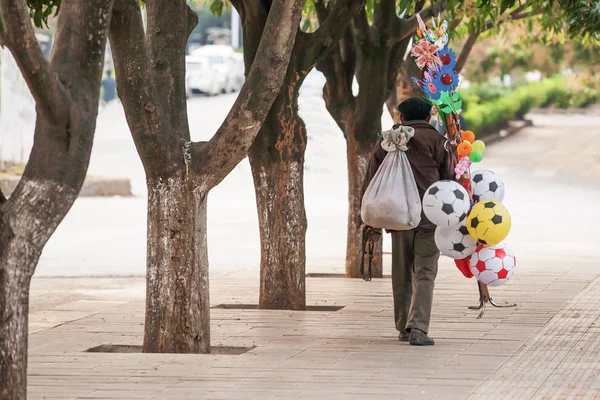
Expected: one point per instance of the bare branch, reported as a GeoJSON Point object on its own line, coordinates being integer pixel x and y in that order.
{"type": "Point", "coordinates": [330, 30]}
{"type": "Point", "coordinates": [466, 51]}
{"type": "Point", "coordinates": [167, 21]}
{"type": "Point", "coordinates": [215, 159]}
{"type": "Point", "coordinates": [2, 198]}
{"type": "Point", "coordinates": [192, 20]}
{"type": "Point", "coordinates": [322, 11]}
{"type": "Point", "coordinates": [397, 63]}
{"type": "Point", "coordinates": [455, 22]}
{"type": "Point", "coordinates": [136, 87]}
{"type": "Point", "coordinates": [361, 30]}
{"type": "Point", "coordinates": [78, 33]}
{"type": "Point", "coordinates": [473, 36]}
{"type": "Point", "coordinates": [50, 96]}
{"type": "Point", "coordinates": [385, 17]}
{"type": "Point", "coordinates": [339, 67]}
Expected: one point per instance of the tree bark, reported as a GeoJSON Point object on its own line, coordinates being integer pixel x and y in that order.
{"type": "Point", "coordinates": [466, 51]}
{"type": "Point", "coordinates": [380, 47]}
{"type": "Point", "coordinates": [403, 87]}
{"type": "Point", "coordinates": [277, 161]}
{"type": "Point", "coordinates": [358, 154]}
{"type": "Point", "coordinates": [150, 72]}
{"type": "Point", "coordinates": [66, 92]}
{"type": "Point", "coordinates": [14, 311]}
{"type": "Point", "coordinates": [361, 136]}
{"type": "Point", "coordinates": [177, 301]}
{"type": "Point", "coordinates": [277, 155]}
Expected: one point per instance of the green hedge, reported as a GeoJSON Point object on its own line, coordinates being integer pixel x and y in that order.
{"type": "Point", "coordinates": [490, 108]}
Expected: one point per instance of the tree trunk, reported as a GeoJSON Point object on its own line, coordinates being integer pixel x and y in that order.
{"type": "Point", "coordinates": [14, 310]}
{"type": "Point", "coordinates": [358, 155]}
{"type": "Point", "coordinates": [404, 89]}
{"type": "Point", "coordinates": [177, 296]}
{"type": "Point", "coordinates": [66, 91]}
{"type": "Point", "coordinates": [277, 161]}
{"type": "Point", "coordinates": [361, 136]}
{"type": "Point", "coordinates": [27, 220]}
{"type": "Point", "coordinates": [150, 74]}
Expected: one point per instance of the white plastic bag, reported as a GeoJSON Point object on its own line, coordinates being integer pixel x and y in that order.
{"type": "Point", "coordinates": [392, 199]}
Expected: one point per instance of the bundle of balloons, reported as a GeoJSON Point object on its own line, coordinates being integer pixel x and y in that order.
{"type": "Point", "coordinates": [469, 151]}
{"type": "Point", "coordinates": [471, 220]}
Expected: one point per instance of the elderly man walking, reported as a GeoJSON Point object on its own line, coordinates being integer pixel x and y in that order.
{"type": "Point", "coordinates": [414, 253]}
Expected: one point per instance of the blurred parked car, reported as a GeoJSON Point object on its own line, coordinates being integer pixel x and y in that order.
{"type": "Point", "coordinates": [222, 59]}
{"type": "Point", "coordinates": [201, 77]}
{"type": "Point", "coordinates": [239, 70]}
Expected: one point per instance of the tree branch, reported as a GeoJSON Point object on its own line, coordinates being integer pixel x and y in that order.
{"type": "Point", "coordinates": [473, 36]}
{"type": "Point", "coordinates": [215, 159]}
{"type": "Point", "coordinates": [455, 22]}
{"type": "Point", "coordinates": [466, 51]}
{"type": "Point", "coordinates": [50, 96]}
{"type": "Point", "coordinates": [191, 21]}
{"type": "Point", "coordinates": [515, 15]}
{"type": "Point", "coordinates": [322, 11]}
{"type": "Point", "coordinates": [167, 20]}
{"type": "Point", "coordinates": [339, 67]}
{"type": "Point", "coordinates": [396, 63]}
{"type": "Point", "coordinates": [136, 88]}
{"type": "Point", "coordinates": [362, 31]}
{"type": "Point", "coordinates": [2, 198]}
{"type": "Point", "coordinates": [254, 18]}
{"type": "Point", "coordinates": [385, 17]}
{"type": "Point", "coordinates": [330, 30]}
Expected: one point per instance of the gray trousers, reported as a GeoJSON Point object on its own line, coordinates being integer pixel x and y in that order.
{"type": "Point", "coordinates": [414, 268]}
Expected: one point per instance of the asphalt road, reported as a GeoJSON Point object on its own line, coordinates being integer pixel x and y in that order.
{"type": "Point", "coordinates": [551, 172]}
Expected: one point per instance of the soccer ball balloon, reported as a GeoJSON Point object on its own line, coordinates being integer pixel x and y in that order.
{"type": "Point", "coordinates": [494, 265]}
{"type": "Point", "coordinates": [455, 242]}
{"type": "Point", "coordinates": [486, 186]}
{"type": "Point", "coordinates": [488, 222]}
{"type": "Point", "coordinates": [446, 203]}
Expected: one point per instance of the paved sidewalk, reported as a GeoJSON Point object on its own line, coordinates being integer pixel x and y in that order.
{"type": "Point", "coordinates": [547, 347]}
{"type": "Point", "coordinates": [352, 353]}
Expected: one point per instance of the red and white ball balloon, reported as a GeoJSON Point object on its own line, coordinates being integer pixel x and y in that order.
{"type": "Point", "coordinates": [493, 265]}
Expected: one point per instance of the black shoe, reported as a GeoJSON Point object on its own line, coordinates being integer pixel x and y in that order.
{"type": "Point", "coordinates": [403, 336]}
{"type": "Point", "coordinates": [419, 338]}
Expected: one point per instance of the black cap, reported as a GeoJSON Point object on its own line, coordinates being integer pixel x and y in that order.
{"type": "Point", "coordinates": [415, 108]}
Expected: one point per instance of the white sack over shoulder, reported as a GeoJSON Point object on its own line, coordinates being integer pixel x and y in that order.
{"type": "Point", "coordinates": [392, 199]}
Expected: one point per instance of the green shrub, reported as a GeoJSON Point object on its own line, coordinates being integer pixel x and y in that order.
{"type": "Point", "coordinates": [504, 105]}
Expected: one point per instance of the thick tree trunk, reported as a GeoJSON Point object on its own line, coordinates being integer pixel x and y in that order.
{"type": "Point", "coordinates": [277, 161]}
{"type": "Point", "coordinates": [177, 296]}
{"type": "Point", "coordinates": [27, 221]}
{"type": "Point", "coordinates": [66, 91]}
{"type": "Point", "coordinates": [404, 87]}
{"type": "Point", "coordinates": [14, 310]}
{"type": "Point", "coordinates": [361, 136]}
{"type": "Point", "coordinates": [180, 173]}
{"type": "Point", "coordinates": [358, 155]}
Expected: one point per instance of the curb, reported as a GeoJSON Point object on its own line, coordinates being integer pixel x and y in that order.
{"type": "Point", "coordinates": [92, 187]}
{"type": "Point", "coordinates": [590, 110]}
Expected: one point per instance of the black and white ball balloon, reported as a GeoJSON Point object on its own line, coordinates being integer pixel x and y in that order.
{"type": "Point", "coordinates": [446, 203]}
{"type": "Point", "coordinates": [486, 186]}
{"type": "Point", "coordinates": [455, 242]}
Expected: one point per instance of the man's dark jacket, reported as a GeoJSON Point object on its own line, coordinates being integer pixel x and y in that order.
{"type": "Point", "coordinates": [428, 157]}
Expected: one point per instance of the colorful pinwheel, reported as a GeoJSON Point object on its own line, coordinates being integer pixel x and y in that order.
{"type": "Point", "coordinates": [425, 54]}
